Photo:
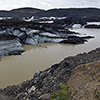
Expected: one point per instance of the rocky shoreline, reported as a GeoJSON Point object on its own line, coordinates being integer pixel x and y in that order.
{"type": "Point", "coordinates": [47, 82]}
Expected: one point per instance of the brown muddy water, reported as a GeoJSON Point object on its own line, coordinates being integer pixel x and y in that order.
{"type": "Point", "coordinates": [16, 69]}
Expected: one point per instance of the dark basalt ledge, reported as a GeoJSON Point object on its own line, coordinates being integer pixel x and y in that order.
{"type": "Point", "coordinates": [92, 26]}
{"type": "Point", "coordinates": [75, 40]}
{"type": "Point", "coordinates": [44, 83]}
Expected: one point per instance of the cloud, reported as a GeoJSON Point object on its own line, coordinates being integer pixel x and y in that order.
{"type": "Point", "coordinates": [47, 4]}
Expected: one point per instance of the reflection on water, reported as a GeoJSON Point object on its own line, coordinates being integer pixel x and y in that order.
{"type": "Point", "coordinates": [16, 69]}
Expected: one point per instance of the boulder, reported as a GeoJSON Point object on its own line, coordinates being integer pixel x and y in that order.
{"type": "Point", "coordinates": [45, 96]}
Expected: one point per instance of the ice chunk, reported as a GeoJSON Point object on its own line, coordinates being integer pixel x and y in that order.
{"type": "Point", "coordinates": [77, 26]}
{"type": "Point", "coordinates": [3, 31]}
{"type": "Point", "coordinates": [49, 34]}
{"type": "Point", "coordinates": [18, 33]}
{"type": "Point", "coordinates": [30, 41]}
{"type": "Point", "coordinates": [95, 23]}
{"type": "Point", "coordinates": [23, 28]}
{"type": "Point", "coordinates": [30, 31]}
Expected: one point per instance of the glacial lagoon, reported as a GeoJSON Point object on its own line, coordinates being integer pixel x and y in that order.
{"type": "Point", "coordinates": [16, 69]}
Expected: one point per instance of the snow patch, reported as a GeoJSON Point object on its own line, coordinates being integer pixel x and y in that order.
{"type": "Point", "coordinates": [45, 21]}
{"type": "Point", "coordinates": [5, 18]}
{"type": "Point", "coordinates": [95, 23]}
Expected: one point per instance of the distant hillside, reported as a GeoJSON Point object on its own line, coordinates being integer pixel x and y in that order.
{"type": "Point", "coordinates": [27, 10]}
{"type": "Point", "coordinates": [88, 14]}
{"type": "Point", "coordinates": [21, 12]}
{"type": "Point", "coordinates": [71, 12]}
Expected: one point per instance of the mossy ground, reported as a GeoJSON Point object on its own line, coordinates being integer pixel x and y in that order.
{"type": "Point", "coordinates": [63, 94]}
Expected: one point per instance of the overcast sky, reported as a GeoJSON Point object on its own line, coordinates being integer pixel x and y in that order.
{"type": "Point", "coordinates": [47, 4]}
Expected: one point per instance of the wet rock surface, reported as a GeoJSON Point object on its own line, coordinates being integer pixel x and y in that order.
{"type": "Point", "coordinates": [47, 82]}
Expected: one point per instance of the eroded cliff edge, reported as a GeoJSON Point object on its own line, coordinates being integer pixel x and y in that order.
{"type": "Point", "coordinates": [84, 83]}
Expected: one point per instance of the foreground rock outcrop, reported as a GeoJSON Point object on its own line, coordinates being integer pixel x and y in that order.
{"type": "Point", "coordinates": [84, 83]}
{"type": "Point", "coordinates": [47, 82]}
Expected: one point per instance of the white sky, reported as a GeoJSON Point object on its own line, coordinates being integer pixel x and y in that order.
{"type": "Point", "coordinates": [47, 4]}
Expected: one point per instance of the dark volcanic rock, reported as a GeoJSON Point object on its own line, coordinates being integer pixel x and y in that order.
{"type": "Point", "coordinates": [74, 40]}
{"type": "Point", "coordinates": [70, 21]}
{"type": "Point", "coordinates": [92, 26]}
{"type": "Point", "coordinates": [88, 37]}
{"type": "Point", "coordinates": [5, 36]}
{"type": "Point", "coordinates": [48, 81]}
